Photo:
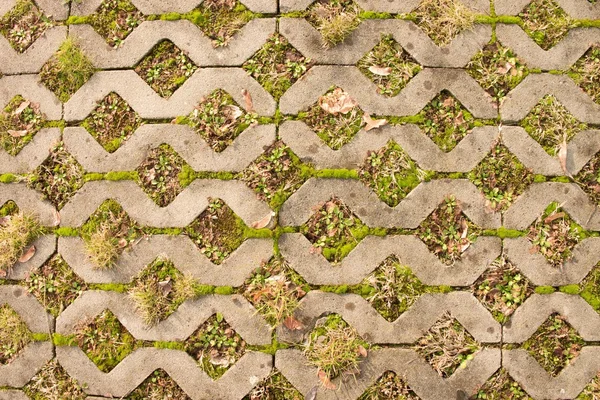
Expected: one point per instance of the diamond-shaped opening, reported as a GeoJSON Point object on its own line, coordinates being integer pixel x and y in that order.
{"type": "Point", "coordinates": [497, 69]}
{"type": "Point", "coordinates": [216, 346]}
{"type": "Point", "coordinates": [551, 124]}
{"type": "Point", "coordinates": [446, 121]}
{"type": "Point", "coordinates": [53, 382]}
{"type": "Point", "coordinates": [389, 386]}
{"type": "Point", "coordinates": [159, 174]}
{"type": "Point", "coordinates": [17, 232]}
{"type": "Point", "coordinates": [586, 73]}
{"type": "Point", "coordinates": [275, 386]}
{"type": "Point", "coordinates": [501, 386]}
{"type": "Point", "coordinates": [19, 122]}
{"type": "Point", "coordinates": [589, 288]}
{"type": "Point", "coordinates": [114, 20]}
{"type": "Point", "coordinates": [591, 391]}
{"type": "Point", "coordinates": [447, 345]}
{"type": "Point", "coordinates": [220, 20]}
{"type": "Point", "coordinates": [58, 177]}
{"type": "Point", "coordinates": [443, 20]}
{"type": "Point", "coordinates": [333, 230]}
{"type": "Point", "coordinates": [554, 234]}
{"type": "Point", "coordinates": [24, 24]}
{"type": "Point", "coordinates": [589, 178]}
{"type": "Point", "coordinates": [545, 22]}
{"type": "Point", "coordinates": [159, 385]}
{"type": "Point", "coordinates": [55, 285]}
{"type": "Point", "coordinates": [275, 175]}
{"type": "Point", "coordinates": [334, 19]}
{"type": "Point", "coordinates": [159, 289]}
{"type": "Point", "coordinates": [112, 122]}
{"type": "Point", "coordinates": [389, 66]}
{"type": "Point", "coordinates": [391, 173]}
{"type": "Point", "coordinates": [275, 291]}
{"type": "Point", "coordinates": [219, 119]}
{"type": "Point", "coordinates": [336, 118]}
{"type": "Point", "coordinates": [277, 65]}
{"type": "Point", "coordinates": [393, 288]}
{"type": "Point", "coordinates": [447, 231]}
{"type": "Point", "coordinates": [14, 334]}
{"type": "Point", "coordinates": [107, 233]}
{"type": "Point", "coordinates": [165, 68]}
{"type": "Point", "coordinates": [502, 289]}
{"type": "Point", "coordinates": [554, 344]}
{"type": "Point", "coordinates": [104, 340]}
{"type": "Point", "coordinates": [334, 347]}
{"type": "Point", "coordinates": [217, 231]}
{"type": "Point", "coordinates": [501, 177]}
{"type": "Point", "coordinates": [67, 70]}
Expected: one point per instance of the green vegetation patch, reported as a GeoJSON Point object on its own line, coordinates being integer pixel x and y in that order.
{"type": "Point", "coordinates": [275, 291]}
{"type": "Point", "coordinates": [104, 340]}
{"type": "Point", "coordinates": [590, 288]}
{"type": "Point", "coordinates": [19, 122]}
{"type": "Point", "coordinates": [157, 386]}
{"type": "Point", "coordinates": [389, 66]}
{"type": "Point", "coordinates": [589, 178]}
{"type": "Point", "coordinates": [590, 392]}
{"type": "Point", "coordinates": [58, 177]}
{"type": "Point", "coordinates": [551, 124]}
{"type": "Point", "coordinates": [220, 20]}
{"type": "Point", "coordinates": [17, 232]}
{"type": "Point", "coordinates": [501, 177]}
{"type": "Point", "coordinates": [447, 346]}
{"type": "Point", "coordinates": [501, 387]}
{"type": "Point", "coordinates": [216, 346]}
{"type": "Point", "coordinates": [67, 70]}
{"type": "Point", "coordinates": [447, 232]}
{"type": "Point", "coordinates": [391, 173]}
{"type": "Point", "coordinates": [14, 334]}
{"type": "Point", "coordinates": [219, 120]}
{"type": "Point", "coordinates": [159, 174]}
{"type": "Point", "coordinates": [443, 20]}
{"type": "Point", "coordinates": [277, 65]}
{"type": "Point", "coordinates": [446, 121]}
{"type": "Point", "coordinates": [389, 386]}
{"type": "Point", "coordinates": [217, 231]}
{"type": "Point", "coordinates": [502, 289]}
{"type": "Point", "coordinates": [275, 175]}
{"type": "Point", "coordinates": [115, 20]}
{"type": "Point", "coordinates": [165, 68]}
{"type": "Point", "coordinates": [107, 233]}
{"type": "Point", "coordinates": [334, 347]}
{"type": "Point", "coordinates": [55, 285]}
{"type": "Point", "coordinates": [545, 22]}
{"type": "Point", "coordinates": [52, 382]}
{"type": "Point", "coordinates": [24, 24]}
{"type": "Point", "coordinates": [333, 230]}
{"type": "Point", "coordinates": [334, 19]}
{"type": "Point", "coordinates": [554, 344]}
{"type": "Point", "coordinates": [274, 387]}
{"type": "Point", "coordinates": [586, 72]}
{"type": "Point", "coordinates": [159, 289]}
{"type": "Point", "coordinates": [554, 234]}
{"type": "Point", "coordinates": [497, 69]}
{"type": "Point", "coordinates": [112, 122]}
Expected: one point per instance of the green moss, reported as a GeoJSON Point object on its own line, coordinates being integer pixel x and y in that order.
{"type": "Point", "coordinates": [41, 337]}
{"type": "Point", "coordinates": [121, 176]}
{"type": "Point", "coordinates": [545, 290]}
{"type": "Point", "coordinates": [203, 290]}
{"type": "Point", "coordinates": [570, 289]}
{"type": "Point", "coordinates": [8, 178]}
{"type": "Point", "coordinates": [66, 231]}
{"type": "Point", "coordinates": [186, 176]}
{"type": "Point", "coordinates": [539, 178]}
{"type": "Point", "coordinates": [171, 16]}
{"type": "Point", "coordinates": [224, 290]}
{"type": "Point", "coordinates": [110, 287]}
{"type": "Point", "coordinates": [340, 289]}
{"type": "Point", "coordinates": [169, 345]}
{"type": "Point", "coordinates": [77, 20]}
{"type": "Point", "coordinates": [62, 340]}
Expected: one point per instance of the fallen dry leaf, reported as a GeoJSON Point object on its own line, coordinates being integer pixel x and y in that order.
{"type": "Point", "coordinates": [562, 157]}
{"type": "Point", "coordinates": [17, 133]}
{"type": "Point", "coordinates": [248, 100]}
{"type": "Point", "coordinates": [362, 351]}
{"type": "Point", "coordinates": [4, 220]}
{"type": "Point", "coordinates": [553, 217]}
{"type": "Point", "coordinates": [22, 107]}
{"type": "Point", "coordinates": [220, 361]}
{"type": "Point", "coordinates": [234, 111]}
{"type": "Point", "coordinates": [166, 286]}
{"type": "Point", "coordinates": [382, 71]}
{"type": "Point", "coordinates": [327, 384]}
{"type": "Point", "coordinates": [312, 393]}
{"type": "Point", "coordinates": [337, 102]}
{"type": "Point", "coordinates": [464, 246]}
{"type": "Point", "coordinates": [292, 324]}
{"type": "Point", "coordinates": [373, 123]}
{"type": "Point", "coordinates": [56, 218]}
{"type": "Point", "coordinates": [27, 255]}
{"type": "Point", "coordinates": [2, 273]}
{"type": "Point", "coordinates": [263, 222]}
{"type": "Point", "coordinates": [122, 242]}
{"type": "Point", "coordinates": [465, 228]}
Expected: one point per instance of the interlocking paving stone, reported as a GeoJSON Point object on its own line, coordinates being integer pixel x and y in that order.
{"type": "Point", "coordinates": [290, 188]}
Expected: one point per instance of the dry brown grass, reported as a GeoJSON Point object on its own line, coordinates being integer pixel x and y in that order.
{"type": "Point", "coordinates": [16, 233]}
{"type": "Point", "coordinates": [442, 20]}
